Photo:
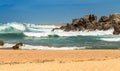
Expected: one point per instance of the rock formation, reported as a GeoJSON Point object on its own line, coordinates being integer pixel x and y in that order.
{"type": "Point", "coordinates": [104, 23]}
{"type": "Point", "coordinates": [1, 43]}
{"type": "Point", "coordinates": [115, 19]}
{"type": "Point", "coordinates": [90, 23]}
{"type": "Point", "coordinates": [17, 45]}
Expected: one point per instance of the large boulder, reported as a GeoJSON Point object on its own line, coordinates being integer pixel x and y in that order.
{"type": "Point", "coordinates": [75, 21]}
{"type": "Point", "coordinates": [1, 43]}
{"type": "Point", "coordinates": [92, 18]}
{"type": "Point", "coordinates": [104, 23]}
{"type": "Point", "coordinates": [74, 27]}
{"type": "Point", "coordinates": [17, 46]}
{"type": "Point", "coordinates": [78, 22]}
{"type": "Point", "coordinates": [81, 28]}
{"type": "Point", "coordinates": [67, 28]}
{"type": "Point", "coordinates": [100, 26]}
{"type": "Point", "coordinates": [90, 22]}
{"type": "Point", "coordinates": [107, 25]}
{"type": "Point", "coordinates": [115, 19]}
{"type": "Point", "coordinates": [114, 16]}
{"type": "Point", "coordinates": [90, 26]}
{"type": "Point", "coordinates": [104, 19]}
{"type": "Point", "coordinates": [116, 29]}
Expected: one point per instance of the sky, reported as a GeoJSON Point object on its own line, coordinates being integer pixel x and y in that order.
{"type": "Point", "coordinates": [54, 11]}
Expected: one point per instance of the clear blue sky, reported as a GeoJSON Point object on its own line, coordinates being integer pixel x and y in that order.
{"type": "Point", "coordinates": [53, 11]}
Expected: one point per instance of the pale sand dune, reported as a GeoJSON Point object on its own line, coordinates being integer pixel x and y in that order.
{"type": "Point", "coordinates": [56, 60]}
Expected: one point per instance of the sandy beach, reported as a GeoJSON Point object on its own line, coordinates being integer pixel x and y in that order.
{"type": "Point", "coordinates": [59, 60]}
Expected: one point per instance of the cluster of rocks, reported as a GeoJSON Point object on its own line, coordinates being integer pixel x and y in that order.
{"type": "Point", "coordinates": [90, 23]}
{"type": "Point", "coordinates": [16, 46]}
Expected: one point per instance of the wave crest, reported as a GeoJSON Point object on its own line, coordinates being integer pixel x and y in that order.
{"type": "Point", "coordinates": [35, 30]}
{"type": "Point", "coordinates": [12, 27]}
{"type": "Point", "coordinates": [110, 39]}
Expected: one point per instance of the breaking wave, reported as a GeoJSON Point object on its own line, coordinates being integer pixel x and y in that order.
{"type": "Point", "coordinates": [36, 36]}
{"type": "Point", "coordinates": [31, 47]}
{"type": "Point", "coordinates": [116, 39]}
{"type": "Point", "coordinates": [32, 30]}
{"type": "Point", "coordinates": [12, 27]}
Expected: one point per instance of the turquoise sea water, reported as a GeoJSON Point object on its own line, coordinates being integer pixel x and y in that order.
{"type": "Point", "coordinates": [41, 37]}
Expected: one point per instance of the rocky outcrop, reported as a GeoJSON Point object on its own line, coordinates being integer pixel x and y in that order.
{"type": "Point", "coordinates": [1, 43]}
{"type": "Point", "coordinates": [104, 19]}
{"type": "Point", "coordinates": [17, 46]}
{"type": "Point", "coordinates": [104, 23]}
{"type": "Point", "coordinates": [115, 19]}
{"type": "Point", "coordinates": [116, 29]}
{"type": "Point", "coordinates": [90, 23]}
{"type": "Point", "coordinates": [87, 22]}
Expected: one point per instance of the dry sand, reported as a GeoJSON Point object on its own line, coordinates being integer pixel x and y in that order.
{"type": "Point", "coordinates": [59, 60]}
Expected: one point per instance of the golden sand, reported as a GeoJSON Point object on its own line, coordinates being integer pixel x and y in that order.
{"type": "Point", "coordinates": [59, 60]}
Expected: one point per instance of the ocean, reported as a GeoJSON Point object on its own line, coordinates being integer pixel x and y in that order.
{"type": "Point", "coordinates": [36, 36]}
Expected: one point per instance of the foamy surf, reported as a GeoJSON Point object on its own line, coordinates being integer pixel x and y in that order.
{"type": "Point", "coordinates": [110, 39]}
{"type": "Point", "coordinates": [49, 48]}
{"type": "Point", "coordinates": [32, 30]}
{"type": "Point", "coordinates": [36, 36]}
{"type": "Point", "coordinates": [31, 47]}
{"type": "Point", "coordinates": [68, 34]}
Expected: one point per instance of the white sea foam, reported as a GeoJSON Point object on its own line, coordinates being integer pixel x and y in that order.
{"type": "Point", "coordinates": [35, 34]}
{"type": "Point", "coordinates": [7, 45]}
{"type": "Point", "coordinates": [41, 26]}
{"type": "Point", "coordinates": [33, 30]}
{"type": "Point", "coordinates": [47, 48]}
{"type": "Point", "coordinates": [17, 26]}
{"type": "Point", "coordinates": [85, 33]}
{"type": "Point", "coordinates": [67, 34]}
{"type": "Point", "coordinates": [3, 28]}
{"type": "Point", "coordinates": [31, 47]}
{"type": "Point", "coordinates": [115, 39]}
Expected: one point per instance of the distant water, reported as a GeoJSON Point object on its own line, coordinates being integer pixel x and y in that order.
{"type": "Point", "coordinates": [41, 37]}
